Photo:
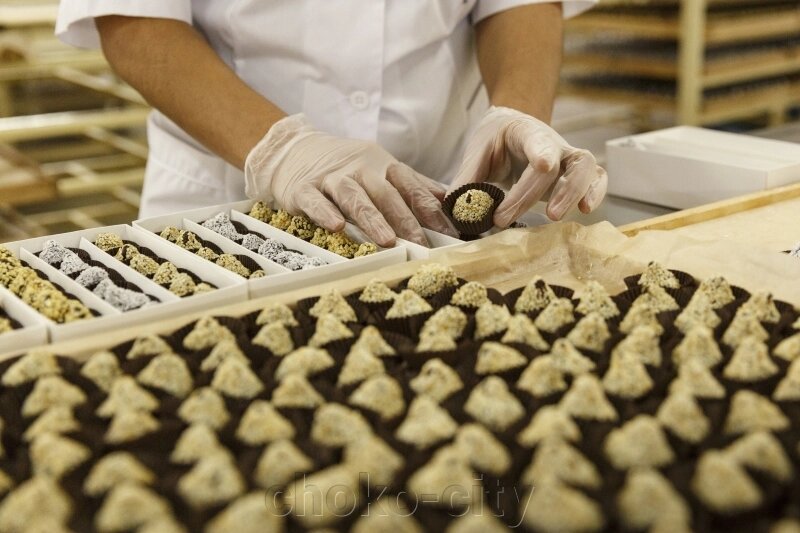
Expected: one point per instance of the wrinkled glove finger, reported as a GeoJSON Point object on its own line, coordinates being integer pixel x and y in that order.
{"type": "Point", "coordinates": [579, 173]}
{"type": "Point", "coordinates": [536, 143]}
{"type": "Point", "coordinates": [400, 216]}
{"type": "Point", "coordinates": [393, 207]}
{"type": "Point", "coordinates": [597, 191]}
{"type": "Point", "coordinates": [438, 190]}
{"type": "Point", "coordinates": [543, 152]}
{"type": "Point", "coordinates": [356, 204]}
{"type": "Point", "coordinates": [318, 208]}
{"type": "Point", "coordinates": [475, 165]}
{"type": "Point", "coordinates": [415, 189]}
{"type": "Point", "coordinates": [531, 187]}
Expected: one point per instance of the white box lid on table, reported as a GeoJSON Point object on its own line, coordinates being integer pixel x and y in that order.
{"type": "Point", "coordinates": [685, 166]}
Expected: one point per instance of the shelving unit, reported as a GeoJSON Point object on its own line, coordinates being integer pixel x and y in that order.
{"type": "Point", "coordinates": [80, 127]}
{"type": "Point", "coordinates": [700, 61]}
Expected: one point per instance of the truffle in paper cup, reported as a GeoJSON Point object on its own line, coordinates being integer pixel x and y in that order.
{"type": "Point", "coordinates": [513, 295]}
{"type": "Point", "coordinates": [471, 207]}
{"type": "Point", "coordinates": [409, 326]}
{"type": "Point", "coordinates": [684, 279]}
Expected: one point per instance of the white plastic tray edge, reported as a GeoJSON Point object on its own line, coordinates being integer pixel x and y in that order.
{"type": "Point", "coordinates": [34, 326]}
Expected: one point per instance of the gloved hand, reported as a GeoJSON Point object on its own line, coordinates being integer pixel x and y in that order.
{"type": "Point", "coordinates": [329, 178]}
{"type": "Point", "coordinates": [505, 139]}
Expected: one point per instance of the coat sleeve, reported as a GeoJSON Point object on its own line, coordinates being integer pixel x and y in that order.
{"type": "Point", "coordinates": [487, 8]}
{"type": "Point", "coordinates": [75, 24]}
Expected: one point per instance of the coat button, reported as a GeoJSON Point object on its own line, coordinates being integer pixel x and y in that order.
{"type": "Point", "coordinates": [359, 100]}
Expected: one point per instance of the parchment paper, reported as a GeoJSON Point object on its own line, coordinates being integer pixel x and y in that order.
{"type": "Point", "coordinates": [570, 254]}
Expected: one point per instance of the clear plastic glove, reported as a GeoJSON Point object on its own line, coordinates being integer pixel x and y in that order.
{"type": "Point", "coordinates": [507, 141]}
{"type": "Point", "coordinates": [331, 178]}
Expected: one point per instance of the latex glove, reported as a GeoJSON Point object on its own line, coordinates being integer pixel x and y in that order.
{"type": "Point", "coordinates": [507, 140]}
{"type": "Point", "coordinates": [331, 178]}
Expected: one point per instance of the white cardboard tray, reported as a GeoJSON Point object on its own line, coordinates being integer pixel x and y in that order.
{"type": "Point", "coordinates": [281, 280]}
{"type": "Point", "coordinates": [438, 241]}
{"type": "Point", "coordinates": [229, 288]}
{"type": "Point", "coordinates": [684, 167]}
{"type": "Point", "coordinates": [34, 326]}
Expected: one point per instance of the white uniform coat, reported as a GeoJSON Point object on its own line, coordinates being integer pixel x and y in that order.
{"type": "Point", "coordinates": [402, 73]}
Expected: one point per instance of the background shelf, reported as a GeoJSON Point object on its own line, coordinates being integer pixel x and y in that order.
{"type": "Point", "coordinates": [703, 61]}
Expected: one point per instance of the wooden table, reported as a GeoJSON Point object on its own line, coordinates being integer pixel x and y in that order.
{"type": "Point", "coordinates": [768, 219]}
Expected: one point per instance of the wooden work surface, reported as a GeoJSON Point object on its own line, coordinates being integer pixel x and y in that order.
{"type": "Point", "coordinates": [775, 226]}
{"type": "Point", "coordinates": [768, 219]}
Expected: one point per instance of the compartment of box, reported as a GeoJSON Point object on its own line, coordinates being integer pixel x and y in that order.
{"type": "Point", "coordinates": [291, 242]}
{"type": "Point", "coordinates": [289, 280]}
{"type": "Point", "coordinates": [185, 262]}
{"type": "Point", "coordinates": [62, 282]}
{"type": "Point", "coordinates": [357, 238]}
{"type": "Point", "coordinates": [439, 243]}
{"type": "Point", "coordinates": [30, 327]}
{"type": "Point", "coordinates": [231, 247]}
{"type": "Point", "coordinates": [228, 290]}
{"type": "Point", "coordinates": [124, 290]}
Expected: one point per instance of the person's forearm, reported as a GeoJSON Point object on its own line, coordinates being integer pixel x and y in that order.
{"type": "Point", "coordinates": [178, 73]}
{"type": "Point", "coordinates": [519, 52]}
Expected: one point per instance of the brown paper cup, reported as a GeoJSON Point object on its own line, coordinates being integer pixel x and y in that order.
{"type": "Point", "coordinates": [481, 226]}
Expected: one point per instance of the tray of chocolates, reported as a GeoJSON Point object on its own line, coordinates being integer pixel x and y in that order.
{"type": "Point", "coordinates": [349, 243]}
{"type": "Point", "coordinates": [289, 261]}
{"type": "Point", "coordinates": [179, 281]}
{"type": "Point", "coordinates": [43, 292]}
{"type": "Point", "coordinates": [433, 404]}
{"type": "Point", "coordinates": [105, 282]}
{"type": "Point", "coordinates": [119, 288]}
{"type": "Point", "coordinates": [240, 264]}
{"type": "Point", "coordinates": [302, 227]}
{"type": "Point", "coordinates": [270, 248]}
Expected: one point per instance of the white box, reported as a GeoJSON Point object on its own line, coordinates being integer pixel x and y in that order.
{"type": "Point", "coordinates": [282, 280]}
{"type": "Point", "coordinates": [34, 326]}
{"type": "Point", "coordinates": [230, 288]}
{"type": "Point", "coordinates": [685, 166]}
{"type": "Point", "coordinates": [439, 243]}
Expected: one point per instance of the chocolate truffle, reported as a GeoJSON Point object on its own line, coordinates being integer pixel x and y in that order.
{"type": "Point", "coordinates": [432, 278]}
{"type": "Point", "coordinates": [381, 394]}
{"type": "Point", "coordinates": [473, 206]}
{"type": "Point", "coordinates": [426, 423]}
{"type": "Point", "coordinates": [436, 380]}
{"type": "Point", "coordinates": [407, 304]}
{"type": "Point", "coordinates": [280, 462]}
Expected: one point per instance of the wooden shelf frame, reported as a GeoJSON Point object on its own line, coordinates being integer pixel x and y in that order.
{"type": "Point", "coordinates": [716, 72]}
{"type": "Point", "coordinates": [717, 29]}
{"type": "Point", "coordinates": [769, 99]}
{"type": "Point", "coordinates": [16, 13]}
{"type": "Point", "coordinates": [693, 28]}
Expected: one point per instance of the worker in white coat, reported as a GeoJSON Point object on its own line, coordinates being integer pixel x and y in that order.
{"type": "Point", "coordinates": [341, 109]}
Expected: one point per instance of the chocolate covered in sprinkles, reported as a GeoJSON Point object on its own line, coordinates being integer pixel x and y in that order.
{"type": "Point", "coordinates": [556, 413]}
